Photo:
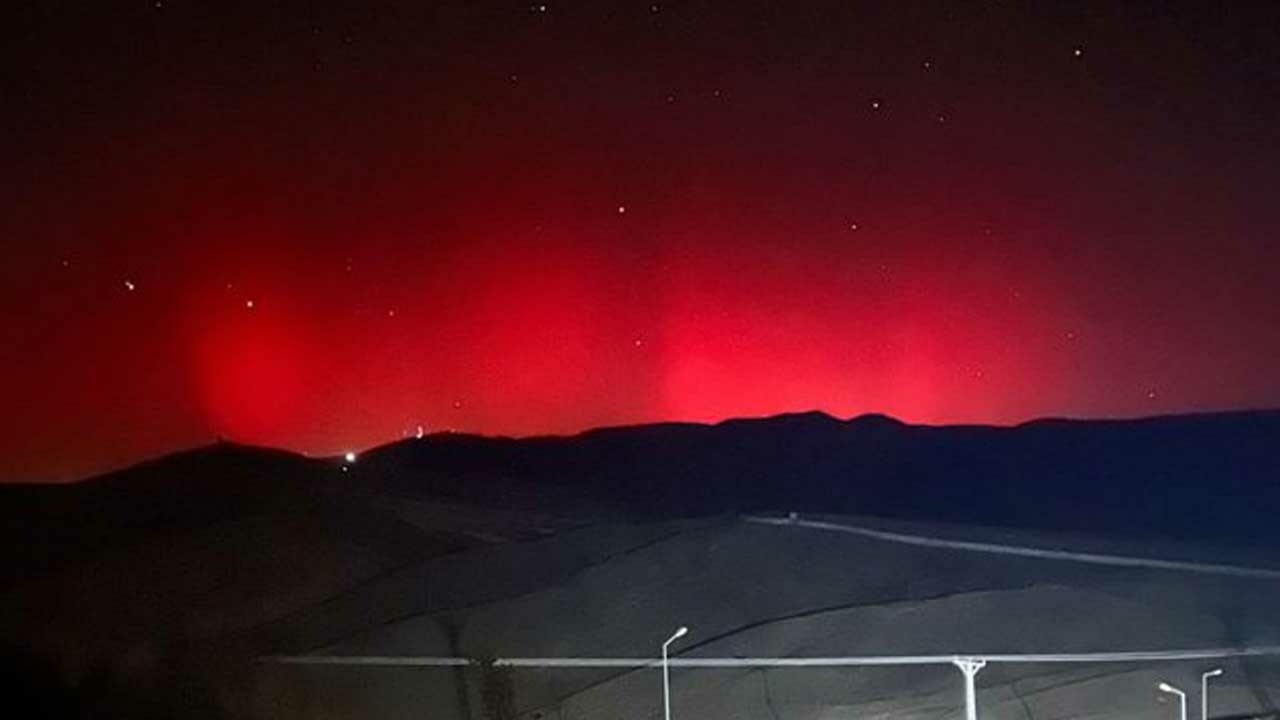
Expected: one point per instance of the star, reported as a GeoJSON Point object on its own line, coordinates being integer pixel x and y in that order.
{"type": "Point", "coordinates": [128, 285]}
{"type": "Point", "coordinates": [853, 226]}
{"type": "Point", "coordinates": [927, 64]}
{"type": "Point", "coordinates": [1078, 52]}
{"type": "Point", "coordinates": [875, 104]}
{"type": "Point", "coordinates": [248, 304]}
{"type": "Point", "coordinates": [66, 263]}
{"type": "Point", "coordinates": [622, 209]}
{"type": "Point", "coordinates": [391, 313]}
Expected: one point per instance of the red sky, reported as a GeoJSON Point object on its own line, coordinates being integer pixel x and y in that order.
{"type": "Point", "coordinates": [495, 219]}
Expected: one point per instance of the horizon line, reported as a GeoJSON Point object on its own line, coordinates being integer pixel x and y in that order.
{"type": "Point", "coordinates": [336, 455]}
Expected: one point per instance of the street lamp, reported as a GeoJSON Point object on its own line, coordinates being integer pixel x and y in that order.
{"type": "Point", "coordinates": [1204, 691]}
{"type": "Point", "coordinates": [666, 677]}
{"type": "Point", "coordinates": [970, 667]}
{"type": "Point", "coordinates": [1182, 697]}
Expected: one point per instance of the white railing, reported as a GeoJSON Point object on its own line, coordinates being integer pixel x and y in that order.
{"type": "Point", "coordinates": [757, 662]}
{"type": "Point", "coordinates": [969, 665]}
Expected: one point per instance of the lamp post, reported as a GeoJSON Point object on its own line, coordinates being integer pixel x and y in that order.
{"type": "Point", "coordinates": [1182, 697]}
{"type": "Point", "coordinates": [666, 677]}
{"type": "Point", "coordinates": [1204, 691]}
{"type": "Point", "coordinates": [970, 667]}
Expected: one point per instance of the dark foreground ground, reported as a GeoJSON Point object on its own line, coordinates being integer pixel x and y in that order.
{"type": "Point", "coordinates": [149, 592]}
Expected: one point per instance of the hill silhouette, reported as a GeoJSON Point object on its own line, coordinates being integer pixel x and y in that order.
{"type": "Point", "coordinates": [1208, 476]}
{"type": "Point", "coordinates": [462, 544]}
{"type": "Point", "coordinates": [1195, 477]}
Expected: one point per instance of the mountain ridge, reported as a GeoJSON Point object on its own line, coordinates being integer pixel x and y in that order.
{"type": "Point", "coordinates": [221, 445]}
{"type": "Point", "coordinates": [1135, 476]}
{"type": "Point", "coordinates": [450, 544]}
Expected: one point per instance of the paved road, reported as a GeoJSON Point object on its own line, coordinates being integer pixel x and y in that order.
{"type": "Point", "coordinates": [1022, 551]}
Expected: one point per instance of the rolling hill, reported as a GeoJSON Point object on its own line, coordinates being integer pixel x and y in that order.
{"type": "Point", "coordinates": [179, 571]}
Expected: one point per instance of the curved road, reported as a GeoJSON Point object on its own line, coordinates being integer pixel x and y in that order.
{"type": "Point", "coordinates": [1023, 551]}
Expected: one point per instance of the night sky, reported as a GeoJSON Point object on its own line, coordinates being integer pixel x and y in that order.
{"type": "Point", "coordinates": [322, 226]}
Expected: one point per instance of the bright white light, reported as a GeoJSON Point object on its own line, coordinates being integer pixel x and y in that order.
{"type": "Point", "coordinates": [679, 633]}
{"type": "Point", "coordinates": [128, 285]}
{"type": "Point", "coordinates": [1213, 673]}
{"type": "Point", "coordinates": [419, 433]}
{"type": "Point", "coordinates": [349, 457]}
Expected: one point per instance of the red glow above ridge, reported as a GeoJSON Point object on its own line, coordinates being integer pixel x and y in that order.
{"type": "Point", "coordinates": [423, 207]}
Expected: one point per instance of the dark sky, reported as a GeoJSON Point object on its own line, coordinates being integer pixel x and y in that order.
{"type": "Point", "coordinates": [323, 225]}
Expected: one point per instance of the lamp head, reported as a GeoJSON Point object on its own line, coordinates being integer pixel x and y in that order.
{"type": "Point", "coordinates": [1166, 687]}
{"type": "Point", "coordinates": [1213, 673]}
{"type": "Point", "coordinates": [680, 632]}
